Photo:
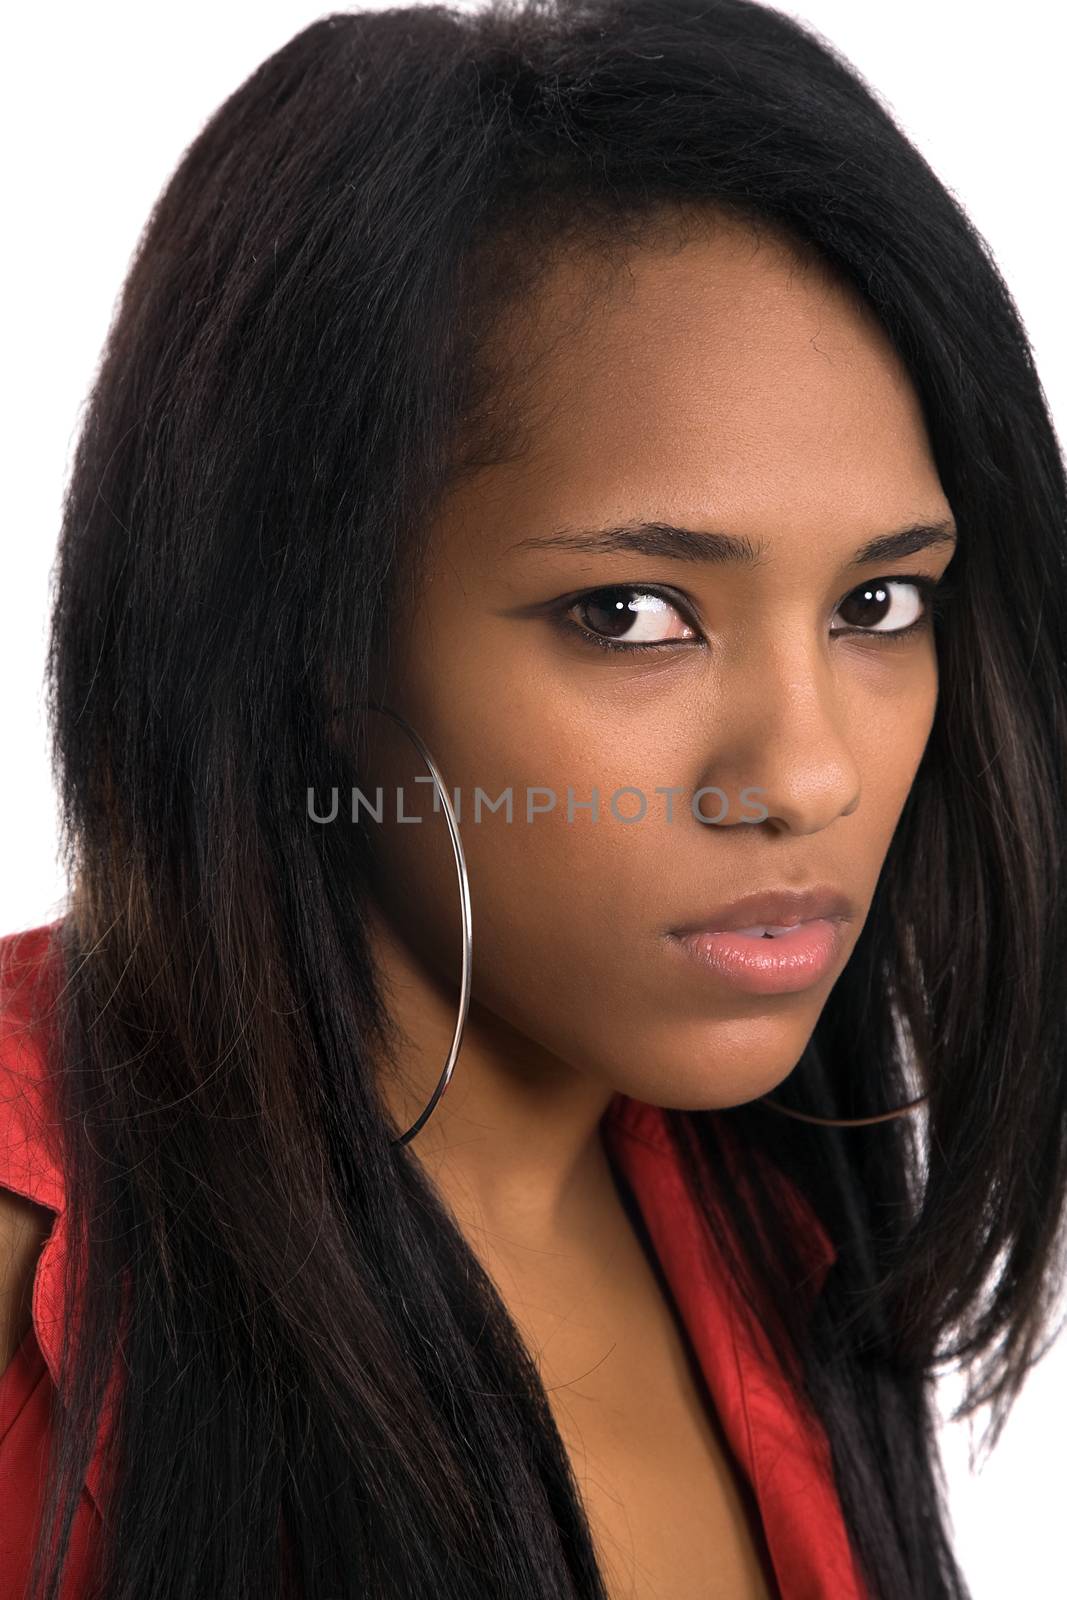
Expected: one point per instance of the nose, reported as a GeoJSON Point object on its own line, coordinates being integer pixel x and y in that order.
{"type": "Point", "coordinates": [782, 735]}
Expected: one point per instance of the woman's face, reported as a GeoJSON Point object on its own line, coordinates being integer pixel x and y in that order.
{"type": "Point", "coordinates": [726, 389]}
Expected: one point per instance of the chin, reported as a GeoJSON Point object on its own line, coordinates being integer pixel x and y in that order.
{"type": "Point", "coordinates": [714, 1075]}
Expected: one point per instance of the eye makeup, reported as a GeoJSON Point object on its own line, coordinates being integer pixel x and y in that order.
{"type": "Point", "coordinates": [934, 594]}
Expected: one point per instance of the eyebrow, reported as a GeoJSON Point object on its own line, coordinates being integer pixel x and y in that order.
{"type": "Point", "coordinates": [663, 539]}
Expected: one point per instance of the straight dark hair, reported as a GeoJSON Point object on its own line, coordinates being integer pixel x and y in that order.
{"type": "Point", "coordinates": [323, 1392]}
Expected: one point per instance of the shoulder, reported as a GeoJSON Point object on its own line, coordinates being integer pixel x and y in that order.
{"type": "Point", "coordinates": [27, 972]}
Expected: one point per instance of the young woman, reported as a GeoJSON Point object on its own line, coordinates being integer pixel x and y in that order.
{"type": "Point", "coordinates": [411, 1193]}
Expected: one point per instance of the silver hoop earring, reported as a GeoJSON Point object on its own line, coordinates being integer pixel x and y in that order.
{"type": "Point", "coordinates": [465, 979]}
{"type": "Point", "coordinates": [465, 915]}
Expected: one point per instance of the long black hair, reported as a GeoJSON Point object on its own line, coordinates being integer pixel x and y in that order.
{"type": "Point", "coordinates": [324, 1394]}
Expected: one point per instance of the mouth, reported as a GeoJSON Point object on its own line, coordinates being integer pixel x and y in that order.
{"type": "Point", "coordinates": [775, 942]}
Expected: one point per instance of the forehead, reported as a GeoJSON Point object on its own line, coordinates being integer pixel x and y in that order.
{"type": "Point", "coordinates": [733, 379]}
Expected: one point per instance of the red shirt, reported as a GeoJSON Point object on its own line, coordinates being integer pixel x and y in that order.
{"type": "Point", "coordinates": [780, 1452]}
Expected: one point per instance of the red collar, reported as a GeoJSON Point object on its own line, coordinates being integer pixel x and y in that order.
{"type": "Point", "coordinates": [779, 1445]}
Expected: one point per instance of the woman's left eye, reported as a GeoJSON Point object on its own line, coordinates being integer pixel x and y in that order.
{"type": "Point", "coordinates": [878, 607]}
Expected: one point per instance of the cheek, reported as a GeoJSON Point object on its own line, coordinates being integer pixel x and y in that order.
{"type": "Point", "coordinates": [891, 717]}
{"type": "Point", "coordinates": [567, 917]}
{"type": "Point", "coordinates": [555, 903]}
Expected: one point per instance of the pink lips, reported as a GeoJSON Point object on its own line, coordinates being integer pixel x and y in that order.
{"type": "Point", "coordinates": [775, 942]}
{"type": "Point", "coordinates": [779, 965]}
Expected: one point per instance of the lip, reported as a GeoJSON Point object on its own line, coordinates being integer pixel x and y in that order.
{"type": "Point", "coordinates": [785, 964]}
{"type": "Point", "coordinates": [775, 907]}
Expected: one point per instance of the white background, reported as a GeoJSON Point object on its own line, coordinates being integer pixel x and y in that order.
{"type": "Point", "coordinates": [100, 101]}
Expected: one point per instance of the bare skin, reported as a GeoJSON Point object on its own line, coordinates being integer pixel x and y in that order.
{"type": "Point", "coordinates": [664, 1500]}
{"type": "Point", "coordinates": [727, 387]}
{"type": "Point", "coordinates": [24, 1228]}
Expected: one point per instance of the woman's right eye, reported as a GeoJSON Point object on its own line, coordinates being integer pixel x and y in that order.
{"type": "Point", "coordinates": [624, 617]}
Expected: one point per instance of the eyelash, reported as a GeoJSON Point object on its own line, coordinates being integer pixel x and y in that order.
{"type": "Point", "coordinates": [935, 592]}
